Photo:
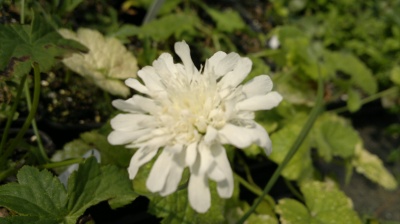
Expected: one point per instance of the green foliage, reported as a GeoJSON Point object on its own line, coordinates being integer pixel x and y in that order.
{"type": "Point", "coordinates": [227, 21]}
{"type": "Point", "coordinates": [300, 166]}
{"type": "Point", "coordinates": [323, 200]}
{"type": "Point", "coordinates": [176, 25]}
{"type": "Point", "coordinates": [39, 197]}
{"type": "Point", "coordinates": [22, 45]}
{"type": "Point", "coordinates": [113, 155]}
{"type": "Point", "coordinates": [372, 167]}
{"type": "Point", "coordinates": [333, 136]}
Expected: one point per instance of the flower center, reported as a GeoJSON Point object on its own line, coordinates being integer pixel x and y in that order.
{"type": "Point", "coordinates": [192, 106]}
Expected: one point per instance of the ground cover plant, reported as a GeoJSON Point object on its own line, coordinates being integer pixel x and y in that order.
{"type": "Point", "coordinates": [148, 111]}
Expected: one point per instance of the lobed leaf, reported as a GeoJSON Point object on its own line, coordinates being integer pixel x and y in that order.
{"type": "Point", "coordinates": [22, 45]}
{"type": "Point", "coordinates": [324, 203]}
{"type": "Point", "coordinates": [333, 136]}
{"type": "Point", "coordinates": [300, 166]}
{"type": "Point", "coordinates": [372, 167]}
{"type": "Point", "coordinates": [38, 196]}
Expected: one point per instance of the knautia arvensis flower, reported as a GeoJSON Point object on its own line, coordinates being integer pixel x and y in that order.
{"type": "Point", "coordinates": [189, 114]}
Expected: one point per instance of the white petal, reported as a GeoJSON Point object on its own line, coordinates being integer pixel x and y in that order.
{"type": "Point", "coordinates": [239, 73]}
{"type": "Point", "coordinates": [215, 174]}
{"type": "Point", "coordinates": [191, 154]}
{"type": "Point", "coordinates": [150, 78]}
{"type": "Point", "coordinates": [240, 137]}
{"type": "Point", "coordinates": [228, 63]}
{"type": "Point", "coordinates": [146, 104]}
{"type": "Point", "coordinates": [165, 66]}
{"type": "Point", "coordinates": [131, 122]}
{"type": "Point", "coordinates": [205, 157]}
{"type": "Point", "coordinates": [224, 187]}
{"type": "Point", "coordinates": [142, 156]}
{"type": "Point", "coordinates": [262, 139]}
{"type": "Point", "coordinates": [174, 149]}
{"type": "Point", "coordinates": [127, 105]}
{"type": "Point", "coordinates": [183, 51]}
{"type": "Point", "coordinates": [263, 102]}
{"type": "Point", "coordinates": [136, 85]}
{"type": "Point", "coordinates": [159, 172]}
{"type": "Point", "coordinates": [123, 137]}
{"type": "Point", "coordinates": [212, 63]}
{"type": "Point", "coordinates": [211, 134]}
{"type": "Point", "coordinates": [259, 85]}
{"type": "Point", "coordinates": [199, 193]}
{"type": "Point", "coordinates": [174, 175]}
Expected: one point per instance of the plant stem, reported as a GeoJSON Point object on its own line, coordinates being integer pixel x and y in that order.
{"type": "Point", "coordinates": [300, 138]}
{"type": "Point", "coordinates": [34, 126]}
{"type": "Point", "coordinates": [368, 99]}
{"type": "Point", "coordinates": [32, 112]}
{"type": "Point", "coordinates": [61, 163]}
{"type": "Point", "coordinates": [152, 11]}
{"type": "Point", "coordinates": [11, 117]}
{"type": "Point", "coordinates": [248, 185]}
{"type": "Point", "coordinates": [22, 16]}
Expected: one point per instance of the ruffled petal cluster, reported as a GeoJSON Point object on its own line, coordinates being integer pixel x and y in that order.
{"type": "Point", "coordinates": [107, 63]}
{"type": "Point", "coordinates": [189, 114]}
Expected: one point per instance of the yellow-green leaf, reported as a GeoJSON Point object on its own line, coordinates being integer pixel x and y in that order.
{"type": "Point", "coordinates": [372, 167]}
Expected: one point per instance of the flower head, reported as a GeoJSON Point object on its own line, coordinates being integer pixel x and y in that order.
{"type": "Point", "coordinates": [191, 114]}
{"type": "Point", "coordinates": [107, 63]}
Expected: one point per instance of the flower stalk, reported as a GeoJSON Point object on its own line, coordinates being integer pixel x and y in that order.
{"type": "Point", "coordinates": [32, 112]}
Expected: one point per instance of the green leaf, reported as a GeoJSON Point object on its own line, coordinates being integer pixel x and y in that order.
{"type": "Point", "coordinates": [175, 208]}
{"type": "Point", "coordinates": [325, 203]}
{"type": "Point", "coordinates": [333, 136]}
{"type": "Point", "coordinates": [92, 184]}
{"type": "Point", "coordinates": [372, 167]}
{"type": "Point", "coordinates": [264, 213]}
{"type": "Point", "coordinates": [395, 75]}
{"type": "Point", "coordinates": [74, 149]}
{"type": "Point", "coordinates": [354, 100]}
{"type": "Point", "coordinates": [300, 166]}
{"type": "Point", "coordinates": [110, 154]}
{"type": "Point", "coordinates": [163, 28]}
{"type": "Point", "coordinates": [38, 197]}
{"type": "Point", "coordinates": [360, 75]}
{"type": "Point", "coordinates": [227, 20]}
{"type": "Point", "coordinates": [292, 211]}
{"type": "Point", "coordinates": [21, 45]}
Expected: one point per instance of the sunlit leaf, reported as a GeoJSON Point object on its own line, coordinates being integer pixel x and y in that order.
{"type": "Point", "coordinates": [300, 166]}
{"type": "Point", "coordinates": [372, 167]}
{"type": "Point", "coordinates": [395, 75]}
{"type": "Point", "coordinates": [354, 100]}
{"type": "Point", "coordinates": [324, 203]}
{"type": "Point", "coordinates": [333, 136]}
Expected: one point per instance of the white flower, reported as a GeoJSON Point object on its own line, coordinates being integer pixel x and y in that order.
{"type": "Point", "coordinates": [191, 114]}
{"type": "Point", "coordinates": [107, 63]}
